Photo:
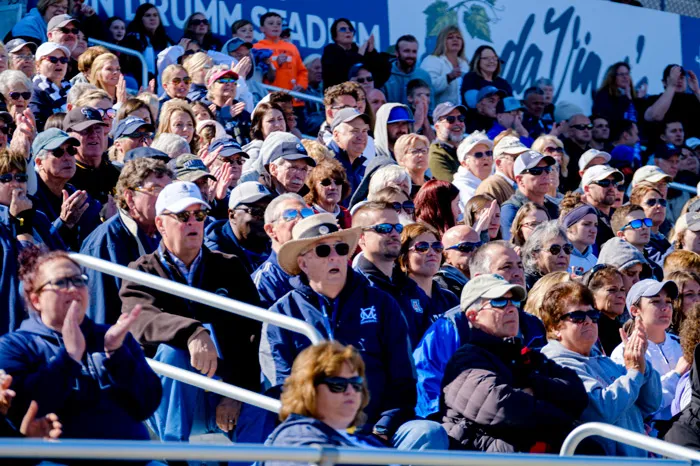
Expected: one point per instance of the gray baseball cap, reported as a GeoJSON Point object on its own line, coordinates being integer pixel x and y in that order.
{"type": "Point", "coordinates": [530, 159]}
{"type": "Point", "coordinates": [648, 288]}
{"type": "Point", "coordinates": [347, 115]}
{"type": "Point", "coordinates": [489, 286]}
{"type": "Point", "coordinates": [693, 221]}
{"type": "Point", "coordinates": [284, 145]}
{"type": "Point", "coordinates": [445, 108]}
{"type": "Point", "coordinates": [189, 167]}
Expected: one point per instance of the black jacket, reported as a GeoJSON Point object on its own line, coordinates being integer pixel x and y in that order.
{"type": "Point", "coordinates": [337, 62]}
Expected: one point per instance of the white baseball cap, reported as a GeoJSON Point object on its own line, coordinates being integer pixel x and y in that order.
{"type": "Point", "coordinates": [471, 141]}
{"type": "Point", "coordinates": [650, 173]}
{"type": "Point", "coordinates": [49, 47]}
{"type": "Point", "coordinates": [600, 172]}
{"type": "Point", "coordinates": [509, 145]}
{"type": "Point", "coordinates": [248, 193]}
{"type": "Point", "coordinates": [178, 196]}
{"type": "Point", "coordinates": [589, 155]}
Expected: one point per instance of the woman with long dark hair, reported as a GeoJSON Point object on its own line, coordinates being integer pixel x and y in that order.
{"type": "Point", "coordinates": [484, 70]}
{"type": "Point", "coordinates": [616, 97]}
{"type": "Point", "coordinates": [197, 27]}
{"type": "Point", "coordinates": [147, 35]}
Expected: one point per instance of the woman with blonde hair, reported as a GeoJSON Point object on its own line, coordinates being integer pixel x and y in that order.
{"type": "Point", "coordinates": [197, 65]}
{"type": "Point", "coordinates": [535, 297]}
{"type": "Point", "coordinates": [85, 61]}
{"type": "Point", "coordinates": [135, 107]}
{"type": "Point", "coordinates": [412, 153]}
{"type": "Point", "coordinates": [106, 74]}
{"type": "Point", "coordinates": [447, 64]}
{"type": "Point", "coordinates": [176, 117]}
{"type": "Point", "coordinates": [176, 82]}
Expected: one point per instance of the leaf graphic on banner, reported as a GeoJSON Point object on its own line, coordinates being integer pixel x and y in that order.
{"type": "Point", "coordinates": [438, 16]}
{"type": "Point", "coordinates": [476, 21]}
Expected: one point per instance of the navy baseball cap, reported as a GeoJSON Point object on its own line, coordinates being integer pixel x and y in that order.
{"type": "Point", "coordinates": [488, 91]}
{"type": "Point", "coordinates": [129, 125]}
{"type": "Point", "coordinates": [146, 152]}
{"type": "Point", "coordinates": [667, 150]}
{"type": "Point", "coordinates": [399, 114]}
{"type": "Point", "coordinates": [229, 147]}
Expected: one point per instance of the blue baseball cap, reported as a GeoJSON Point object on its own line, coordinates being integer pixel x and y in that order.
{"type": "Point", "coordinates": [235, 43]}
{"type": "Point", "coordinates": [509, 104]}
{"type": "Point", "coordinates": [51, 139]}
{"type": "Point", "coordinates": [129, 125]}
{"type": "Point", "coordinates": [488, 91]}
{"type": "Point", "coordinates": [229, 147]}
{"type": "Point", "coordinates": [146, 153]}
{"type": "Point", "coordinates": [398, 114]}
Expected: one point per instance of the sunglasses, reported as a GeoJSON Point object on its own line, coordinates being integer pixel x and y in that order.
{"type": "Point", "coordinates": [558, 150]}
{"type": "Point", "coordinates": [60, 152]}
{"type": "Point", "coordinates": [233, 159]}
{"type": "Point", "coordinates": [608, 183]}
{"type": "Point", "coordinates": [324, 250]}
{"type": "Point", "coordinates": [107, 112]}
{"type": "Point", "coordinates": [5, 130]}
{"type": "Point", "coordinates": [138, 135]}
{"type": "Point", "coordinates": [385, 228]}
{"type": "Point", "coordinates": [465, 246]}
{"type": "Point", "coordinates": [73, 31]}
{"type": "Point", "coordinates": [199, 22]}
{"type": "Point", "coordinates": [55, 60]}
{"type": "Point", "coordinates": [346, 29]}
{"type": "Point", "coordinates": [422, 247]}
{"type": "Point", "coordinates": [653, 202]}
{"type": "Point", "coordinates": [639, 223]}
{"type": "Point", "coordinates": [290, 214]}
{"type": "Point", "coordinates": [408, 207]}
{"type": "Point", "coordinates": [579, 317]}
{"type": "Point", "coordinates": [451, 119]}
{"type": "Point", "coordinates": [184, 217]}
{"type": "Point", "coordinates": [17, 95]}
{"type": "Point", "coordinates": [340, 384]}
{"type": "Point", "coordinates": [555, 249]}
{"type": "Point", "coordinates": [368, 79]}
{"type": "Point", "coordinates": [226, 80]}
{"type": "Point", "coordinates": [501, 303]}
{"type": "Point", "coordinates": [327, 182]}
{"type": "Point", "coordinates": [177, 81]}
{"type": "Point", "coordinates": [479, 155]}
{"type": "Point", "coordinates": [18, 177]}
{"type": "Point", "coordinates": [582, 127]}
{"type": "Point", "coordinates": [76, 281]}
{"type": "Point", "coordinates": [537, 171]}
{"type": "Point", "coordinates": [258, 212]}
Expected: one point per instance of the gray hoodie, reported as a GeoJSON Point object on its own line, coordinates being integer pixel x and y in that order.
{"type": "Point", "coordinates": [622, 255]}
{"type": "Point", "coordinates": [615, 395]}
{"type": "Point", "coordinates": [381, 138]}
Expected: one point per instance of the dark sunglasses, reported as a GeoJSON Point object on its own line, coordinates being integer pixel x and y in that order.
{"type": "Point", "coordinates": [107, 112]}
{"type": "Point", "coordinates": [608, 183]}
{"type": "Point", "coordinates": [324, 250]}
{"type": "Point", "coordinates": [18, 177]}
{"type": "Point", "coordinates": [138, 135]}
{"type": "Point", "coordinates": [346, 29]}
{"type": "Point", "coordinates": [5, 130]}
{"type": "Point", "coordinates": [479, 155]}
{"type": "Point", "coordinates": [258, 212]}
{"type": "Point", "coordinates": [451, 119]}
{"type": "Point", "coordinates": [184, 217]}
{"type": "Point", "coordinates": [422, 247]}
{"type": "Point", "coordinates": [555, 249]}
{"type": "Point", "coordinates": [198, 22]}
{"type": "Point", "coordinates": [76, 281]}
{"type": "Point", "coordinates": [558, 150]}
{"type": "Point", "coordinates": [290, 214]}
{"type": "Point", "coordinates": [582, 127]}
{"type": "Point", "coordinates": [408, 207]}
{"type": "Point", "coordinates": [237, 160]}
{"type": "Point", "coordinates": [340, 384]}
{"type": "Point", "coordinates": [465, 246]}
{"type": "Point", "coordinates": [501, 303]}
{"type": "Point", "coordinates": [187, 80]}
{"type": "Point", "coordinates": [368, 79]}
{"type": "Point", "coordinates": [653, 202]}
{"type": "Point", "coordinates": [17, 95]}
{"type": "Point", "coordinates": [60, 152]}
{"type": "Point", "coordinates": [56, 60]}
{"type": "Point", "coordinates": [579, 317]}
{"type": "Point", "coordinates": [537, 171]}
{"type": "Point", "coordinates": [73, 31]}
{"type": "Point", "coordinates": [639, 223]}
{"type": "Point", "coordinates": [327, 181]}
{"type": "Point", "coordinates": [385, 228]}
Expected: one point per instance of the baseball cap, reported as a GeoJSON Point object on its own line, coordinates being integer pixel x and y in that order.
{"type": "Point", "coordinates": [489, 286]}
{"type": "Point", "coordinates": [488, 91]}
{"type": "Point", "coordinates": [509, 145]}
{"type": "Point", "coordinates": [693, 221]}
{"type": "Point", "coordinates": [648, 288]}
{"type": "Point", "coordinates": [667, 150]}
{"type": "Point", "coordinates": [284, 145]}
{"type": "Point", "coordinates": [15, 45]}
{"type": "Point", "coordinates": [81, 118]}
{"type": "Point", "coordinates": [222, 74]}
{"type": "Point", "coordinates": [355, 69]}
{"type": "Point", "coordinates": [346, 115]}
{"type": "Point", "coordinates": [248, 193]}
{"type": "Point", "coordinates": [565, 110]}
{"type": "Point", "coordinates": [471, 141]}
{"type": "Point", "coordinates": [509, 104]}
{"type": "Point", "coordinates": [129, 125]}
{"type": "Point", "coordinates": [600, 172]}
{"type": "Point", "coordinates": [470, 98]}
{"type": "Point", "coordinates": [229, 147]}
{"type": "Point", "coordinates": [445, 108]}
{"type": "Point", "coordinates": [51, 139]}
{"type": "Point", "coordinates": [235, 43]}
{"type": "Point", "coordinates": [398, 114]}
{"type": "Point", "coordinates": [59, 21]}
{"type": "Point", "coordinates": [692, 143]}
{"type": "Point", "coordinates": [146, 153]}
{"type": "Point", "coordinates": [189, 167]}
{"type": "Point", "coordinates": [694, 206]}
{"type": "Point", "coordinates": [529, 159]}
{"type": "Point", "coordinates": [49, 47]}
{"type": "Point", "coordinates": [178, 196]}
{"type": "Point", "coordinates": [589, 155]}
{"type": "Point", "coordinates": [650, 173]}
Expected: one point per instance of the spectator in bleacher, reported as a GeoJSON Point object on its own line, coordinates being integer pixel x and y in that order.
{"type": "Point", "coordinates": [191, 335]}
{"type": "Point", "coordinates": [627, 259]}
{"type": "Point", "coordinates": [418, 95]}
{"type": "Point", "coordinates": [105, 74]}
{"type": "Point", "coordinates": [652, 200]}
{"type": "Point", "coordinates": [404, 69]}
{"type": "Point", "coordinates": [688, 283]}
{"type": "Point", "coordinates": [446, 65]}
{"type": "Point", "coordinates": [130, 133]}
{"type": "Point", "coordinates": [335, 99]}
{"type": "Point", "coordinates": [16, 90]}
{"type": "Point", "coordinates": [690, 337]}
{"type": "Point", "coordinates": [616, 99]}
{"type": "Point", "coordinates": [267, 118]}
{"type": "Point", "coordinates": [328, 187]}
{"type": "Point", "coordinates": [286, 163]}
{"type": "Point", "coordinates": [221, 92]}
{"type": "Point", "coordinates": [392, 122]}
{"type": "Point", "coordinates": [313, 115]}
{"type": "Point", "coordinates": [591, 158]}
{"type": "Point", "coordinates": [128, 235]}
{"type": "Point", "coordinates": [484, 71]}
{"type": "Point", "coordinates": [371, 321]}
{"type": "Point", "coordinates": [501, 185]}
{"type": "Point", "coordinates": [630, 223]}
{"type": "Point", "coordinates": [176, 83]}
{"type": "Point", "coordinates": [600, 135]}
{"type": "Point", "coordinates": [675, 102]}
{"type": "Point", "coordinates": [71, 366]}
{"type": "Point", "coordinates": [509, 115]}
{"type": "Point", "coordinates": [350, 130]}
{"type": "Point", "coordinates": [176, 117]}
{"type": "Point", "coordinates": [623, 394]}
{"type": "Point", "coordinates": [242, 233]}
{"type": "Point", "coordinates": [576, 141]}
{"type": "Point", "coordinates": [47, 427]}
{"type": "Point", "coordinates": [21, 56]}
{"type": "Point", "coordinates": [50, 87]}
{"type": "Point", "coordinates": [33, 26]}
{"type": "Point", "coordinates": [449, 131]}
{"type": "Point", "coordinates": [667, 157]}
{"type": "Point", "coordinates": [547, 250]}
{"type": "Point", "coordinates": [600, 184]}
{"type": "Point", "coordinates": [196, 67]}
{"type": "Point", "coordinates": [64, 30]}
{"type": "Point", "coordinates": [475, 156]}
{"type": "Point", "coordinates": [197, 27]}
{"type": "Point", "coordinates": [145, 34]}
{"type": "Point", "coordinates": [533, 116]}
{"type": "Point", "coordinates": [412, 153]}
{"type": "Point", "coordinates": [343, 53]}
{"type": "Point", "coordinates": [605, 282]}
{"type": "Point", "coordinates": [291, 72]}
{"type": "Point", "coordinates": [686, 236]}
{"type": "Point", "coordinates": [437, 204]}
{"type": "Point", "coordinates": [483, 110]}
{"type": "Point", "coordinates": [460, 242]}
{"type": "Point", "coordinates": [362, 75]}
{"type": "Point", "coordinates": [580, 222]}
{"type": "Point", "coordinates": [375, 99]}
{"type": "Point", "coordinates": [528, 217]}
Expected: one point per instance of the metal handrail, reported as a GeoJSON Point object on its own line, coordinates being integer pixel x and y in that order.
{"type": "Point", "coordinates": [627, 437]}
{"type": "Point", "coordinates": [295, 94]}
{"type": "Point", "coordinates": [127, 51]}
{"type": "Point", "coordinates": [173, 451]}
{"type": "Point", "coordinates": [683, 187]}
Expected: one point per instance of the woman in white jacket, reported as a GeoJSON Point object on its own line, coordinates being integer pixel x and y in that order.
{"type": "Point", "coordinates": [447, 65]}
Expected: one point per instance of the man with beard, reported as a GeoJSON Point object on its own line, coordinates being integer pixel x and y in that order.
{"type": "Point", "coordinates": [403, 70]}
{"type": "Point", "coordinates": [482, 112]}
{"type": "Point", "coordinates": [243, 233]}
{"type": "Point", "coordinates": [577, 141]}
{"type": "Point", "coordinates": [449, 131]}
{"type": "Point", "coordinates": [534, 110]}
{"type": "Point", "coordinates": [392, 122]}
{"type": "Point", "coordinates": [599, 185]}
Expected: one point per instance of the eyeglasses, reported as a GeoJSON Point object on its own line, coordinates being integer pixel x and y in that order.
{"type": "Point", "coordinates": [233, 159]}
{"type": "Point", "coordinates": [451, 119]}
{"type": "Point", "coordinates": [639, 223]}
{"type": "Point", "coordinates": [419, 152]}
{"type": "Point", "coordinates": [582, 127]}
{"type": "Point", "coordinates": [56, 60]}
{"type": "Point", "coordinates": [187, 80]}
{"type": "Point", "coordinates": [346, 29]}
{"type": "Point", "coordinates": [27, 57]}
{"type": "Point", "coordinates": [579, 317]}
{"type": "Point", "coordinates": [501, 303]}
{"type": "Point", "coordinates": [324, 250]}
{"type": "Point", "coordinates": [340, 384]}
{"type": "Point", "coordinates": [385, 228]}
{"type": "Point", "coordinates": [557, 150]}
{"type": "Point", "coordinates": [537, 171]}
{"type": "Point", "coordinates": [408, 207]}
{"type": "Point", "coordinates": [17, 95]}
{"type": "Point", "coordinates": [138, 135]}
{"type": "Point", "coordinates": [198, 22]}
{"type": "Point", "coordinates": [18, 177]}
{"type": "Point", "coordinates": [254, 211]}
{"type": "Point", "coordinates": [290, 214]}
{"type": "Point", "coordinates": [107, 112]}
{"type": "Point", "coordinates": [76, 281]}
{"type": "Point", "coordinates": [327, 182]}
{"type": "Point", "coordinates": [653, 202]}
{"type": "Point", "coordinates": [607, 184]}
{"type": "Point", "coordinates": [184, 217]}
{"type": "Point", "coordinates": [479, 155]}
{"type": "Point", "coordinates": [226, 80]}
{"type": "Point", "coordinates": [367, 79]}
{"type": "Point", "coordinates": [5, 130]}
{"type": "Point", "coordinates": [422, 247]}
{"type": "Point", "coordinates": [73, 31]}
{"type": "Point", "coordinates": [60, 152]}
{"type": "Point", "coordinates": [555, 249]}
{"type": "Point", "coordinates": [465, 247]}
{"type": "Point", "coordinates": [150, 190]}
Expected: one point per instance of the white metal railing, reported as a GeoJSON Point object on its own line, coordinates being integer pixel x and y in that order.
{"type": "Point", "coordinates": [126, 51]}
{"type": "Point", "coordinates": [627, 437]}
{"type": "Point", "coordinates": [684, 187]}
{"type": "Point", "coordinates": [325, 456]}
{"type": "Point", "coordinates": [296, 95]}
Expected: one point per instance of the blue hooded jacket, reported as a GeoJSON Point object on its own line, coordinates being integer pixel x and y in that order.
{"type": "Point", "coordinates": [219, 236]}
{"type": "Point", "coordinates": [362, 316]}
{"type": "Point", "coordinates": [31, 26]}
{"type": "Point", "coordinates": [271, 281]}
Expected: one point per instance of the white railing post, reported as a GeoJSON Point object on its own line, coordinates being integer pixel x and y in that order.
{"type": "Point", "coordinates": [296, 95]}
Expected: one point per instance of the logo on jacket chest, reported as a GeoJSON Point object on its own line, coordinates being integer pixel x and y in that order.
{"type": "Point", "coordinates": [368, 315]}
{"type": "Point", "coordinates": [415, 304]}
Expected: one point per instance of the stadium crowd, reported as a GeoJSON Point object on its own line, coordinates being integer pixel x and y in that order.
{"type": "Point", "coordinates": [489, 271]}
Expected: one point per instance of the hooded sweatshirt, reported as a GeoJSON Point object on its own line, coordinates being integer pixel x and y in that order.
{"type": "Point", "coordinates": [615, 395]}
{"type": "Point", "coordinates": [467, 182]}
{"type": "Point", "coordinates": [381, 137]}
{"type": "Point", "coordinates": [395, 88]}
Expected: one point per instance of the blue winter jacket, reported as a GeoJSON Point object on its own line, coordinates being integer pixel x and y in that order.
{"type": "Point", "coordinates": [362, 316]}
{"type": "Point", "coordinates": [98, 398]}
{"type": "Point", "coordinates": [443, 339]}
{"type": "Point", "coordinates": [355, 171]}
{"type": "Point", "coordinates": [271, 281]}
{"type": "Point", "coordinates": [218, 236]}
{"type": "Point", "coordinates": [113, 242]}
{"type": "Point", "coordinates": [13, 305]}
{"type": "Point", "coordinates": [32, 26]}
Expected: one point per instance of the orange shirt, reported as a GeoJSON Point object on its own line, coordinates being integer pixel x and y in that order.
{"type": "Point", "coordinates": [292, 69]}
